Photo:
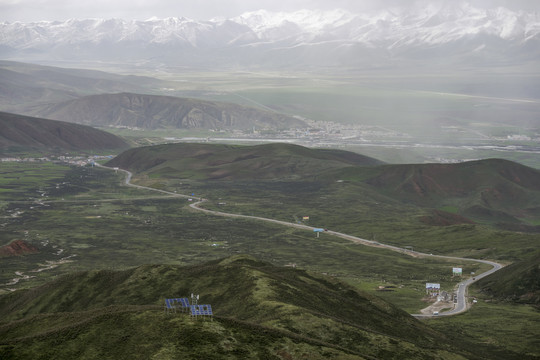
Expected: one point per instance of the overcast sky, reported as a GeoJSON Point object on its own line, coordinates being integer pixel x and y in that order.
{"type": "Point", "coordinates": [36, 10]}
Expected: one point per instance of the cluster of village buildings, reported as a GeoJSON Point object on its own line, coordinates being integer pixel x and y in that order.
{"type": "Point", "coordinates": [72, 160]}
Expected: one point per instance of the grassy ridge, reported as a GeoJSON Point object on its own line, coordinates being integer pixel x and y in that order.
{"type": "Point", "coordinates": [140, 334]}
{"type": "Point", "coordinates": [229, 162]}
{"type": "Point", "coordinates": [274, 303]}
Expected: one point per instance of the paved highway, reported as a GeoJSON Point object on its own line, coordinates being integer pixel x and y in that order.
{"type": "Point", "coordinates": [461, 305]}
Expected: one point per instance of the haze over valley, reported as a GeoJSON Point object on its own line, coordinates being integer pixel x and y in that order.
{"type": "Point", "coordinates": [252, 179]}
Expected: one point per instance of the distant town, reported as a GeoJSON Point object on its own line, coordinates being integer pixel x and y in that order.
{"type": "Point", "coordinates": [63, 159]}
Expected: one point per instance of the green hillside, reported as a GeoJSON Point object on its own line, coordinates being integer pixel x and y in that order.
{"type": "Point", "coordinates": [261, 311]}
{"type": "Point", "coordinates": [24, 133]}
{"type": "Point", "coordinates": [518, 282]}
{"type": "Point", "coordinates": [229, 162]}
{"type": "Point", "coordinates": [495, 192]}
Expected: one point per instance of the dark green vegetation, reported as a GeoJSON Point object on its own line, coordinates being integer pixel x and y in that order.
{"type": "Point", "coordinates": [262, 311]}
{"type": "Point", "coordinates": [162, 112]}
{"type": "Point", "coordinates": [518, 282]}
{"type": "Point", "coordinates": [85, 220]}
{"type": "Point", "coordinates": [26, 134]}
{"type": "Point", "coordinates": [468, 209]}
{"type": "Point", "coordinates": [212, 162]}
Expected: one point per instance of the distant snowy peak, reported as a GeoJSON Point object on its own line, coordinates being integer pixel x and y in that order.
{"type": "Point", "coordinates": [330, 36]}
{"type": "Point", "coordinates": [433, 24]}
{"type": "Point", "coordinates": [307, 20]}
{"type": "Point", "coordinates": [498, 21]}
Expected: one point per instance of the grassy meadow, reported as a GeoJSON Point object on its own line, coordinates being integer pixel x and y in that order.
{"type": "Point", "coordinates": [367, 215]}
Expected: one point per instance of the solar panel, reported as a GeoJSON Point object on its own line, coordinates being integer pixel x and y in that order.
{"type": "Point", "coordinates": [204, 310]}
{"type": "Point", "coordinates": [194, 310]}
{"type": "Point", "coordinates": [184, 302]}
{"type": "Point", "coordinates": [169, 305]}
{"type": "Point", "coordinates": [176, 303]}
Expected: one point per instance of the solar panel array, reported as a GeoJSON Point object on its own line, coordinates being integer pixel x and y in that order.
{"type": "Point", "coordinates": [183, 304]}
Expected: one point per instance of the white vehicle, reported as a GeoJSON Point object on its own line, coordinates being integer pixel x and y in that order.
{"type": "Point", "coordinates": [435, 313]}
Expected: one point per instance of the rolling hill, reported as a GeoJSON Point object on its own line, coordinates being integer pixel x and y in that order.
{"type": "Point", "coordinates": [493, 191]}
{"type": "Point", "coordinates": [226, 162]}
{"type": "Point", "coordinates": [261, 311]}
{"type": "Point", "coordinates": [23, 133]}
{"type": "Point", "coordinates": [162, 112]}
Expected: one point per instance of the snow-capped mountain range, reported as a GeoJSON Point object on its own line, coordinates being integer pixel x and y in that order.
{"type": "Point", "coordinates": [309, 37]}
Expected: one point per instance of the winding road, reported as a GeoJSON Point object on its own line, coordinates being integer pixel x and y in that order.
{"type": "Point", "coordinates": [461, 305]}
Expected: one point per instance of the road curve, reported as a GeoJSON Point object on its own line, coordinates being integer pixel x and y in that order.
{"type": "Point", "coordinates": [461, 305]}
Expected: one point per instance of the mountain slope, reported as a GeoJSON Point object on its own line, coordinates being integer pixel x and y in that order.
{"type": "Point", "coordinates": [159, 112]}
{"type": "Point", "coordinates": [23, 85]}
{"type": "Point", "coordinates": [491, 190]}
{"type": "Point", "coordinates": [449, 32]}
{"type": "Point", "coordinates": [518, 282]}
{"type": "Point", "coordinates": [259, 309]}
{"type": "Point", "coordinates": [25, 133]}
{"type": "Point", "coordinates": [204, 161]}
